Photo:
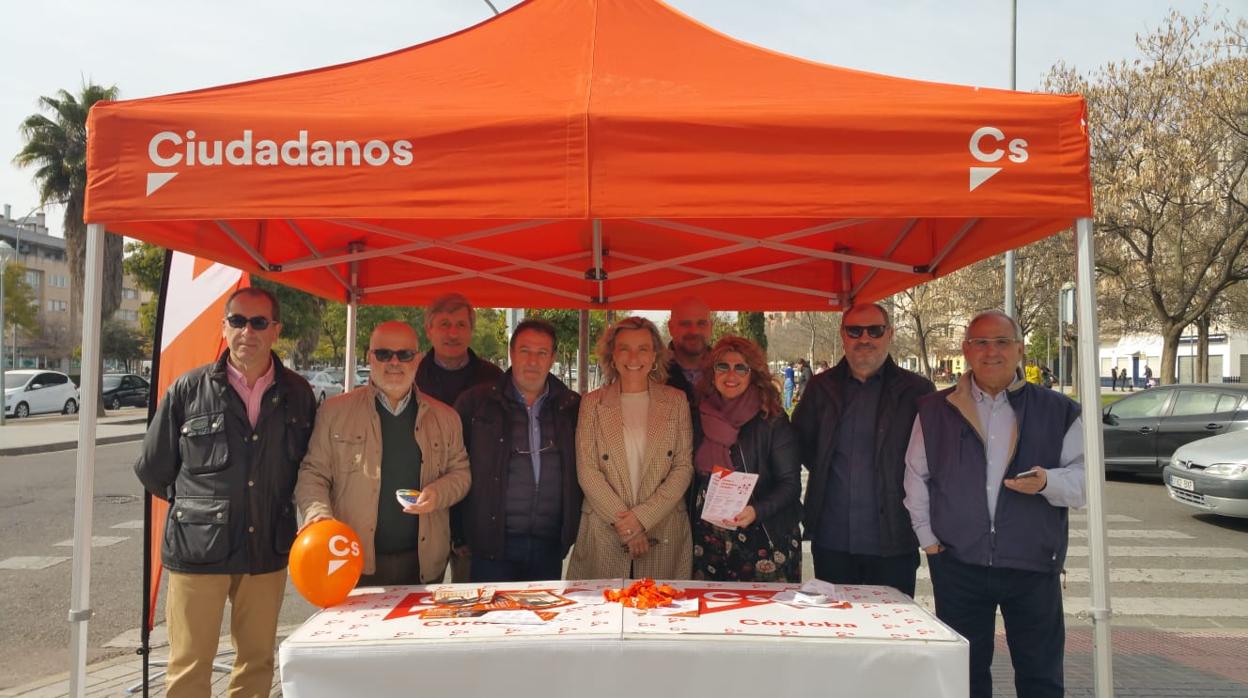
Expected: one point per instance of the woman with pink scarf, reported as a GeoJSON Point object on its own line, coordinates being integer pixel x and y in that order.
{"type": "Point", "coordinates": [742, 426]}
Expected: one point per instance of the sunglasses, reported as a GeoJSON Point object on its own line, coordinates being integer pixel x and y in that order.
{"type": "Point", "coordinates": [724, 367]}
{"type": "Point", "coordinates": [257, 323]}
{"type": "Point", "coordinates": [403, 355]}
{"type": "Point", "coordinates": [873, 331]}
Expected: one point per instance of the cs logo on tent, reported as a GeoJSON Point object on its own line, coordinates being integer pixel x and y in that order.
{"type": "Point", "coordinates": [988, 145]}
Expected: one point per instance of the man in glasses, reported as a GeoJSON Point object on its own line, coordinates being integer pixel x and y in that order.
{"type": "Point", "coordinates": [381, 438]}
{"type": "Point", "coordinates": [521, 515]}
{"type": "Point", "coordinates": [854, 423]}
{"type": "Point", "coordinates": [690, 327]}
{"type": "Point", "coordinates": [224, 449]}
{"type": "Point", "coordinates": [993, 465]}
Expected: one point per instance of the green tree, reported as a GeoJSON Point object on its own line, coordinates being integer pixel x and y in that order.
{"type": "Point", "coordinates": [489, 336]}
{"type": "Point", "coordinates": [120, 342]}
{"type": "Point", "coordinates": [568, 327]}
{"type": "Point", "coordinates": [57, 148]}
{"type": "Point", "coordinates": [145, 263]}
{"type": "Point", "coordinates": [753, 326]}
{"type": "Point", "coordinates": [301, 319]}
{"type": "Point", "coordinates": [20, 306]}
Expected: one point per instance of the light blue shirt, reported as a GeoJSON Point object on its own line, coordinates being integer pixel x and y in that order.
{"type": "Point", "coordinates": [535, 426]}
{"type": "Point", "coordinates": [1064, 486]}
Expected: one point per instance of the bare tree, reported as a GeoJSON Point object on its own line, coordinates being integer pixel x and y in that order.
{"type": "Point", "coordinates": [1169, 135]}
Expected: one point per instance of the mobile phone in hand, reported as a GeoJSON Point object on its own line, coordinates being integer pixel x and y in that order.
{"type": "Point", "coordinates": [1027, 474]}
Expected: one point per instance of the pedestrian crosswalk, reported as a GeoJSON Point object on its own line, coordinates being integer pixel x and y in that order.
{"type": "Point", "coordinates": [35, 563]}
{"type": "Point", "coordinates": [1157, 576]}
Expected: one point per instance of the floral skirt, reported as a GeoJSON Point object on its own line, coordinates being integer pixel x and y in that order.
{"type": "Point", "coordinates": [750, 554]}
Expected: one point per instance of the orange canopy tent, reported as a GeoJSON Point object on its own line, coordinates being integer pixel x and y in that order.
{"type": "Point", "coordinates": [591, 154]}
{"type": "Point", "coordinates": [488, 159]}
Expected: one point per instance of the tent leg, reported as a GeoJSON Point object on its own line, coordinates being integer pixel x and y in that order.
{"type": "Point", "coordinates": [84, 485]}
{"type": "Point", "coordinates": [353, 306]}
{"type": "Point", "coordinates": [348, 375]}
{"type": "Point", "coordinates": [582, 354]}
{"type": "Point", "coordinates": [1094, 459]}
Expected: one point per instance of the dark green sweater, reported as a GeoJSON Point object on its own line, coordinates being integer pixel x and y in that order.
{"type": "Point", "coordinates": [400, 469]}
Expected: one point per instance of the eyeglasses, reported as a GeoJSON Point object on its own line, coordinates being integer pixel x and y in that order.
{"type": "Point", "coordinates": [384, 355]}
{"type": "Point", "coordinates": [724, 367]}
{"type": "Point", "coordinates": [998, 343]}
{"type": "Point", "coordinates": [544, 448]}
{"type": "Point", "coordinates": [257, 323]}
{"type": "Point", "coordinates": [873, 331]}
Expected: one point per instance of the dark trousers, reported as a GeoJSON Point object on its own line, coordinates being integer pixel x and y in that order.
{"type": "Point", "coordinates": [967, 597]}
{"type": "Point", "coordinates": [525, 559]}
{"type": "Point", "coordinates": [895, 571]}
{"type": "Point", "coordinates": [393, 569]}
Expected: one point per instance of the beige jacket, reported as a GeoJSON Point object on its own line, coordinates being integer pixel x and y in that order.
{"type": "Point", "coordinates": [602, 469]}
{"type": "Point", "coordinates": [341, 473]}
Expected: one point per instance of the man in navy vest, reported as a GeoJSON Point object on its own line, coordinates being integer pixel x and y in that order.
{"type": "Point", "coordinates": [990, 545]}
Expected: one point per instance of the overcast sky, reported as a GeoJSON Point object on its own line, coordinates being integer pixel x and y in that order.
{"type": "Point", "coordinates": [149, 48]}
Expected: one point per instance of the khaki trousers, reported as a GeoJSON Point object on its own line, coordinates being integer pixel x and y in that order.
{"type": "Point", "coordinates": [194, 606]}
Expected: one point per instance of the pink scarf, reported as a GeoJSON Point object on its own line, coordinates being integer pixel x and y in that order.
{"type": "Point", "coordinates": [721, 420]}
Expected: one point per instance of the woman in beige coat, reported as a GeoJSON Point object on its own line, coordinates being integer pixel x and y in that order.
{"type": "Point", "coordinates": [634, 463]}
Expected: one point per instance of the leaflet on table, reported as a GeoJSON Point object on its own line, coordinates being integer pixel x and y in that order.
{"type": "Point", "coordinates": [815, 592]}
{"type": "Point", "coordinates": [726, 495]}
{"type": "Point", "coordinates": [473, 603]}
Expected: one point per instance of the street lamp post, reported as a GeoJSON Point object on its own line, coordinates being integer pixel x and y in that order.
{"type": "Point", "coordinates": [7, 254]}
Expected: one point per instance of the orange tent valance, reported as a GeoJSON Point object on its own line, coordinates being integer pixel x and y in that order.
{"type": "Point", "coordinates": [591, 153]}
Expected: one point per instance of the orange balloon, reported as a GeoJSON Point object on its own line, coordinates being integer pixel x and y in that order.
{"type": "Point", "coordinates": [325, 562]}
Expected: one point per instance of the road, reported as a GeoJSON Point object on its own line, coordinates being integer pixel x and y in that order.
{"type": "Point", "coordinates": [1171, 571]}
{"type": "Point", "coordinates": [37, 519]}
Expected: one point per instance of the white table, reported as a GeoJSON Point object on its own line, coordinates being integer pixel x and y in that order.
{"type": "Point", "coordinates": [741, 643]}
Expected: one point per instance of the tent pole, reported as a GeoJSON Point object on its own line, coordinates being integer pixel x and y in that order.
{"type": "Point", "coordinates": [84, 486]}
{"type": "Point", "coordinates": [582, 354]}
{"type": "Point", "coordinates": [1094, 460]}
{"type": "Point", "coordinates": [353, 303]}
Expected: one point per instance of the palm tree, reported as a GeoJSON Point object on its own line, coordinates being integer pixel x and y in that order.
{"type": "Point", "coordinates": [57, 146]}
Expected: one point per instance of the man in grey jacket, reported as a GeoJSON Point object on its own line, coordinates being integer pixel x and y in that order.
{"type": "Point", "coordinates": [224, 449]}
{"type": "Point", "coordinates": [993, 465]}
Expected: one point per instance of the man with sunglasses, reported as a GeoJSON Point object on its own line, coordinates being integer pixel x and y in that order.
{"type": "Point", "coordinates": [521, 516]}
{"type": "Point", "coordinates": [224, 448]}
{"type": "Point", "coordinates": [853, 423]}
{"type": "Point", "coordinates": [378, 439]}
{"type": "Point", "coordinates": [993, 466]}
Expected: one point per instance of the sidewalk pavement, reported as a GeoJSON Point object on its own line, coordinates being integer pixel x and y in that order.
{"type": "Point", "coordinates": [1147, 662]}
{"type": "Point", "coordinates": [19, 437]}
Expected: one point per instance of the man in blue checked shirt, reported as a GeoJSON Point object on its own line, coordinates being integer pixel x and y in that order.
{"type": "Point", "coordinates": [522, 513]}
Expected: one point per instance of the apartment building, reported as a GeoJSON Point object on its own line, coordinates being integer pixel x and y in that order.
{"type": "Point", "coordinates": [46, 273]}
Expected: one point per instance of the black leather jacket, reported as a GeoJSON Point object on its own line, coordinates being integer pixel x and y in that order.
{"type": "Point", "coordinates": [229, 486]}
{"type": "Point", "coordinates": [770, 448]}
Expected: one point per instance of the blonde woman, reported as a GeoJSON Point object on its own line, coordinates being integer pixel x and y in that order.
{"type": "Point", "coordinates": [634, 463]}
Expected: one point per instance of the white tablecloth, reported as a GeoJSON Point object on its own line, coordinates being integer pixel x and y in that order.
{"type": "Point", "coordinates": [741, 643]}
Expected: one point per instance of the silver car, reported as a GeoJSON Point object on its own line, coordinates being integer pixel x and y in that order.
{"type": "Point", "coordinates": [325, 384]}
{"type": "Point", "coordinates": [1211, 474]}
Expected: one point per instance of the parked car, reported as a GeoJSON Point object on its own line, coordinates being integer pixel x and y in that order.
{"type": "Point", "coordinates": [32, 391]}
{"type": "Point", "coordinates": [1143, 430]}
{"type": "Point", "coordinates": [122, 389]}
{"type": "Point", "coordinates": [325, 384]}
{"type": "Point", "coordinates": [1211, 474]}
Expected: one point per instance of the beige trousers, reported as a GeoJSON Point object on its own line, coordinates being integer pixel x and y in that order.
{"type": "Point", "coordinates": [194, 606]}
